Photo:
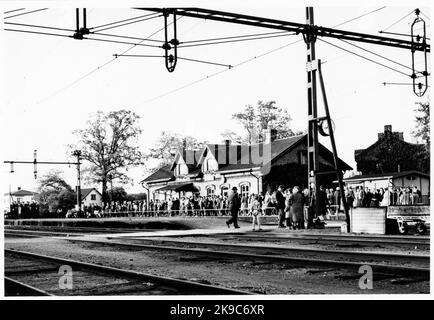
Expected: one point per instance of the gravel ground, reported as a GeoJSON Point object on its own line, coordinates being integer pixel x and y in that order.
{"type": "Point", "coordinates": [253, 276]}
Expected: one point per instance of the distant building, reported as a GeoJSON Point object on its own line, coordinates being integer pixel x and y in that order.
{"type": "Point", "coordinates": [217, 168]}
{"type": "Point", "coordinates": [391, 153]}
{"type": "Point", "coordinates": [20, 196]}
{"type": "Point", "coordinates": [91, 196]}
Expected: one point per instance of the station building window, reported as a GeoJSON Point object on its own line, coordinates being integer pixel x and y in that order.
{"type": "Point", "coordinates": [244, 189]}
{"type": "Point", "coordinates": [210, 190]}
{"type": "Point", "coordinates": [93, 197]}
{"type": "Point", "coordinates": [224, 191]}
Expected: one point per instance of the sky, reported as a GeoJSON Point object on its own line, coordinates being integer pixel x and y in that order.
{"type": "Point", "coordinates": [51, 85]}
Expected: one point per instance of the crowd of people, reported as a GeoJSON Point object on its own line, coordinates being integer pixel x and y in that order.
{"type": "Point", "coordinates": [381, 197]}
{"type": "Point", "coordinates": [283, 202]}
{"type": "Point", "coordinates": [28, 209]}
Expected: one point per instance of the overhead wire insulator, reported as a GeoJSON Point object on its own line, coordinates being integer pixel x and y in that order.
{"type": "Point", "coordinates": [169, 45]}
{"type": "Point", "coordinates": [417, 40]}
{"type": "Point", "coordinates": [35, 169]}
{"type": "Point", "coordinates": [80, 31]}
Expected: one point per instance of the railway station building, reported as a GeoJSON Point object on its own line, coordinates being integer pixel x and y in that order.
{"type": "Point", "coordinates": [254, 168]}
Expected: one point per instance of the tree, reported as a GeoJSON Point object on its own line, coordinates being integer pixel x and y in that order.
{"type": "Point", "coordinates": [232, 136]}
{"type": "Point", "coordinates": [118, 194]}
{"type": "Point", "coordinates": [168, 144]}
{"type": "Point", "coordinates": [55, 193]}
{"type": "Point", "coordinates": [265, 115]}
{"type": "Point", "coordinates": [110, 143]}
{"type": "Point", "coordinates": [249, 121]}
{"type": "Point", "coordinates": [422, 130]}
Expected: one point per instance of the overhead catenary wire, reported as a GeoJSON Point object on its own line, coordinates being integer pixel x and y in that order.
{"type": "Point", "coordinates": [399, 20]}
{"type": "Point", "coordinates": [376, 54]}
{"type": "Point", "coordinates": [125, 37]}
{"type": "Point", "coordinates": [102, 65]}
{"type": "Point", "coordinates": [120, 21]}
{"type": "Point", "coordinates": [222, 71]}
{"type": "Point", "coordinates": [234, 37]}
{"type": "Point", "coordinates": [37, 26]}
{"type": "Point", "coordinates": [181, 58]}
{"type": "Point", "coordinates": [10, 11]}
{"type": "Point", "coordinates": [358, 17]}
{"type": "Point", "coordinates": [128, 23]}
{"type": "Point", "coordinates": [249, 60]}
{"type": "Point", "coordinates": [363, 57]}
{"type": "Point", "coordinates": [236, 40]}
{"type": "Point", "coordinates": [38, 32]}
{"type": "Point", "coordinates": [428, 18]}
{"type": "Point", "coordinates": [123, 42]}
{"type": "Point", "coordinates": [402, 34]}
{"type": "Point", "coordinates": [85, 38]}
{"type": "Point", "coordinates": [21, 14]}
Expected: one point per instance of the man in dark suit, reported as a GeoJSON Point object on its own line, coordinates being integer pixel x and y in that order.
{"type": "Point", "coordinates": [234, 204]}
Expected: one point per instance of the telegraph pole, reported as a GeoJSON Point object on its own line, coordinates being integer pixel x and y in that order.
{"type": "Point", "coordinates": [312, 115]}
{"type": "Point", "coordinates": [35, 162]}
{"type": "Point", "coordinates": [77, 153]}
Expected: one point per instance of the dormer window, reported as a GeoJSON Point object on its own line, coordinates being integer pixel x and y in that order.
{"type": "Point", "coordinates": [210, 164]}
{"type": "Point", "coordinates": [181, 169]}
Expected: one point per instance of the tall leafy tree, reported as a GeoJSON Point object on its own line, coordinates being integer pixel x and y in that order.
{"type": "Point", "coordinates": [422, 130]}
{"type": "Point", "coordinates": [265, 115]}
{"type": "Point", "coordinates": [168, 144]}
{"type": "Point", "coordinates": [55, 193]}
{"type": "Point", "coordinates": [109, 142]}
{"type": "Point", "coordinates": [248, 120]}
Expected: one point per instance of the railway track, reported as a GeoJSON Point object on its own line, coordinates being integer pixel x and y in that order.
{"type": "Point", "coordinates": [37, 275]}
{"type": "Point", "coordinates": [418, 266]}
{"type": "Point", "coordinates": [384, 262]}
{"type": "Point", "coordinates": [338, 240]}
{"type": "Point", "coordinates": [77, 229]}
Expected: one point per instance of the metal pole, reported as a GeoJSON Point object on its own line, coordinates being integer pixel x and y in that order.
{"type": "Point", "coordinates": [77, 19]}
{"type": "Point", "coordinates": [312, 136]}
{"type": "Point", "coordinates": [333, 143]}
{"type": "Point", "coordinates": [77, 154]}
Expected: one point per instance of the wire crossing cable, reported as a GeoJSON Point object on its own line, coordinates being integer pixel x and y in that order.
{"type": "Point", "coordinates": [101, 66]}
{"type": "Point", "coordinates": [403, 34]}
{"type": "Point", "coordinates": [125, 37]}
{"type": "Point", "coordinates": [220, 72]}
{"type": "Point", "coordinates": [125, 20]}
{"type": "Point", "coordinates": [124, 42]}
{"type": "Point", "coordinates": [85, 38]}
{"type": "Point", "coordinates": [237, 40]}
{"type": "Point", "coordinates": [234, 37]}
{"type": "Point", "coordinates": [361, 16]}
{"type": "Point", "coordinates": [161, 56]}
{"type": "Point", "coordinates": [428, 18]}
{"type": "Point", "coordinates": [249, 60]}
{"type": "Point", "coordinates": [412, 11]}
{"type": "Point", "coordinates": [37, 32]}
{"type": "Point", "coordinates": [10, 11]}
{"type": "Point", "coordinates": [377, 54]}
{"type": "Point", "coordinates": [363, 57]}
{"type": "Point", "coordinates": [37, 26]}
{"type": "Point", "coordinates": [128, 23]}
{"type": "Point", "coordinates": [21, 14]}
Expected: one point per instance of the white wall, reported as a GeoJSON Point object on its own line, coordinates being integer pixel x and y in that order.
{"type": "Point", "coordinates": [98, 199]}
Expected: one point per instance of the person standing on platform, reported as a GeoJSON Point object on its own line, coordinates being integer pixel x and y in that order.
{"type": "Point", "coordinates": [256, 207]}
{"type": "Point", "coordinates": [287, 210]}
{"type": "Point", "coordinates": [280, 206]}
{"type": "Point", "coordinates": [234, 204]}
{"type": "Point", "coordinates": [297, 208]}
